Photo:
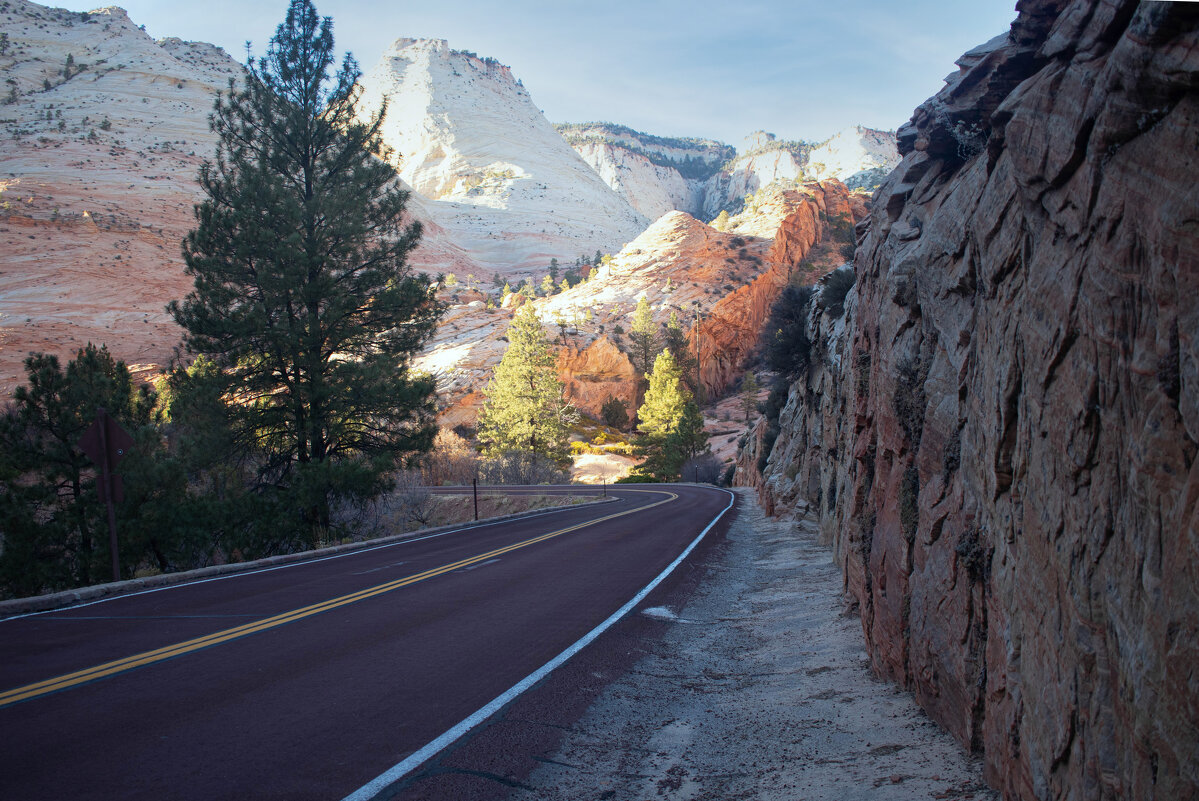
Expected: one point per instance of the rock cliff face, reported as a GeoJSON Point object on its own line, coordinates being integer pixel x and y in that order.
{"type": "Point", "coordinates": [701, 177]}
{"type": "Point", "coordinates": [496, 174]}
{"type": "Point", "coordinates": [732, 327]}
{"type": "Point", "coordinates": [655, 174]}
{"type": "Point", "coordinates": [1000, 436]}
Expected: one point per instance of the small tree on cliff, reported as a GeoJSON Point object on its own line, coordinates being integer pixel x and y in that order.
{"type": "Point", "coordinates": [644, 336]}
{"type": "Point", "coordinates": [749, 395]}
{"type": "Point", "coordinates": [303, 297]}
{"type": "Point", "coordinates": [526, 410]}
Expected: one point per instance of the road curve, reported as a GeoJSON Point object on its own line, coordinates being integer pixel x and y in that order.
{"type": "Point", "coordinates": [315, 679]}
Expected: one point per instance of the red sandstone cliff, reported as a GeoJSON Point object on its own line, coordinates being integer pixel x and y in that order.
{"type": "Point", "coordinates": [731, 328]}
{"type": "Point", "coordinates": [1001, 439]}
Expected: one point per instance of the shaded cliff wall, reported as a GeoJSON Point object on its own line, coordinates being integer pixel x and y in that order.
{"type": "Point", "coordinates": [1000, 437]}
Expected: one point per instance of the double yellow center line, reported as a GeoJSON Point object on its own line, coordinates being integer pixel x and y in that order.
{"type": "Point", "coordinates": [29, 691]}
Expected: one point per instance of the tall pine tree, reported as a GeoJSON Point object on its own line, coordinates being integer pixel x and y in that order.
{"type": "Point", "coordinates": [302, 295]}
{"type": "Point", "coordinates": [670, 421]}
{"type": "Point", "coordinates": [526, 410]}
{"type": "Point", "coordinates": [644, 336]}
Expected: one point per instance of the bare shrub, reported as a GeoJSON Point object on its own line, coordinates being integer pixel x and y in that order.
{"type": "Point", "coordinates": [452, 461]}
{"type": "Point", "coordinates": [411, 500]}
{"type": "Point", "coordinates": [521, 467]}
{"type": "Point", "coordinates": [702, 469]}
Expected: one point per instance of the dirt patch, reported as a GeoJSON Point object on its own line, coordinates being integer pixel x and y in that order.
{"type": "Point", "coordinates": [760, 689]}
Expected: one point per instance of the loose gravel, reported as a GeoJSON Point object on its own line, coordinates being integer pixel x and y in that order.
{"type": "Point", "coordinates": [760, 689]}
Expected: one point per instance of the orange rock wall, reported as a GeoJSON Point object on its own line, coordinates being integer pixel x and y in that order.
{"type": "Point", "coordinates": [595, 373]}
{"type": "Point", "coordinates": [731, 329]}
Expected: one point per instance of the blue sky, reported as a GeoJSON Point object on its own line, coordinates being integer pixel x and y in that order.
{"type": "Point", "coordinates": [797, 68]}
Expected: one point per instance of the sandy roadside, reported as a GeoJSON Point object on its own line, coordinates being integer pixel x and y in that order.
{"type": "Point", "coordinates": [761, 689]}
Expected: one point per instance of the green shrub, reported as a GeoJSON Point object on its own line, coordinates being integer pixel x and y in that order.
{"type": "Point", "coordinates": [836, 286]}
{"type": "Point", "coordinates": [615, 413]}
{"type": "Point", "coordinates": [788, 348]}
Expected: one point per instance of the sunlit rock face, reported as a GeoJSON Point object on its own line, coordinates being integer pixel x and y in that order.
{"type": "Point", "coordinates": [856, 156]}
{"type": "Point", "coordinates": [497, 176]}
{"type": "Point", "coordinates": [701, 177]}
{"type": "Point", "coordinates": [725, 282]}
{"type": "Point", "coordinates": [653, 173]}
{"type": "Point", "coordinates": [1000, 435]}
{"type": "Point", "coordinates": [99, 180]}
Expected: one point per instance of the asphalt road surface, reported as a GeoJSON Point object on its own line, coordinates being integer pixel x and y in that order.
{"type": "Point", "coordinates": [319, 679]}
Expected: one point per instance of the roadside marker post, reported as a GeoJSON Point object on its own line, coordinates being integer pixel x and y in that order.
{"type": "Point", "coordinates": [106, 444]}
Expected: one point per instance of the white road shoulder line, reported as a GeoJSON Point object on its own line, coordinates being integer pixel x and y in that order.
{"type": "Point", "coordinates": [389, 777]}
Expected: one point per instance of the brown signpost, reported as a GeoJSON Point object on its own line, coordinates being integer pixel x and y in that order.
{"type": "Point", "coordinates": [106, 444]}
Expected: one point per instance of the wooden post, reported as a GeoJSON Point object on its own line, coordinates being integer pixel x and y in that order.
{"type": "Point", "coordinates": [107, 481]}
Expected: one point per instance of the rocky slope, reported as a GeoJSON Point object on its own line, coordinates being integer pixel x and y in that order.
{"type": "Point", "coordinates": [1000, 435]}
{"type": "Point", "coordinates": [702, 177]}
{"type": "Point", "coordinates": [99, 180]}
{"type": "Point", "coordinates": [679, 265]}
{"type": "Point", "coordinates": [498, 176]}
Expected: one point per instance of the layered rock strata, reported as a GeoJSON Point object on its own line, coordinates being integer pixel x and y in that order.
{"type": "Point", "coordinates": [102, 134]}
{"type": "Point", "coordinates": [1000, 436]}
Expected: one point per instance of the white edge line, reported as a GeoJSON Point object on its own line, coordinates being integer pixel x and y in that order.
{"type": "Point", "coordinates": [297, 563]}
{"type": "Point", "coordinates": [384, 780]}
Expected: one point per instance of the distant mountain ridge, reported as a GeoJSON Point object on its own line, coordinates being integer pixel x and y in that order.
{"type": "Point", "coordinates": [103, 131]}
{"type": "Point", "coordinates": [704, 177]}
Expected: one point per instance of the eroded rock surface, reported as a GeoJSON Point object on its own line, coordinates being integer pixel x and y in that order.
{"type": "Point", "coordinates": [1001, 438]}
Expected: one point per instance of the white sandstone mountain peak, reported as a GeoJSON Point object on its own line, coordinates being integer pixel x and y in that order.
{"type": "Point", "coordinates": [503, 182]}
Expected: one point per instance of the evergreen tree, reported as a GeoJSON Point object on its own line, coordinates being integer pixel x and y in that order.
{"type": "Point", "coordinates": [670, 421]}
{"type": "Point", "coordinates": [665, 398]}
{"type": "Point", "coordinates": [675, 340]}
{"type": "Point", "coordinates": [554, 270]}
{"type": "Point", "coordinates": [615, 413]}
{"type": "Point", "coordinates": [526, 410]}
{"type": "Point", "coordinates": [51, 515]}
{"type": "Point", "coordinates": [302, 296]}
{"type": "Point", "coordinates": [749, 395]}
{"type": "Point", "coordinates": [643, 336]}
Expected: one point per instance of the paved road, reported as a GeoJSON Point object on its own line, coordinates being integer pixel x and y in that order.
{"type": "Point", "coordinates": [310, 680]}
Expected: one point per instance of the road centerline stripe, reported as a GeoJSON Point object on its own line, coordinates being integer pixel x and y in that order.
{"type": "Point", "coordinates": [381, 784]}
{"type": "Point", "coordinates": [87, 675]}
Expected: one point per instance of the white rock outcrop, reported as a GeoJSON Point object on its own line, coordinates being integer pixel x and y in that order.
{"type": "Point", "coordinates": [499, 178]}
{"type": "Point", "coordinates": [706, 177]}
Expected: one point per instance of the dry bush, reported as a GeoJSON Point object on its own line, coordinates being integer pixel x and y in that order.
{"type": "Point", "coordinates": [520, 467]}
{"type": "Point", "coordinates": [452, 461]}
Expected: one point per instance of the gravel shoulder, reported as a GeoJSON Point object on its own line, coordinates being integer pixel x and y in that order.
{"type": "Point", "coordinates": [760, 688]}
